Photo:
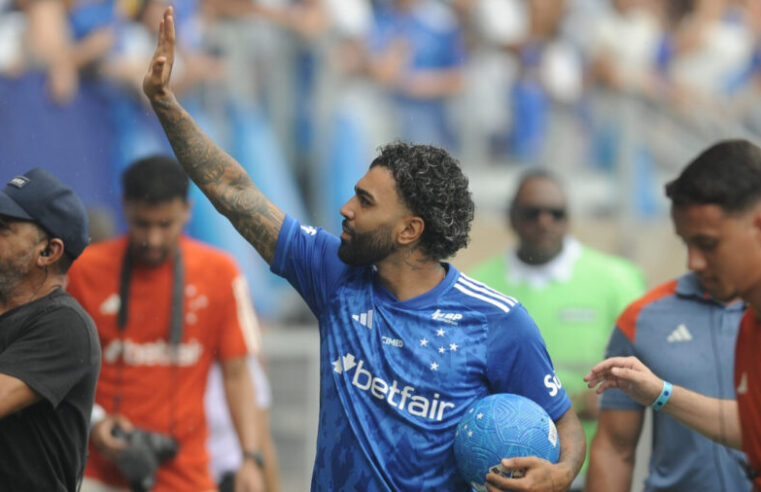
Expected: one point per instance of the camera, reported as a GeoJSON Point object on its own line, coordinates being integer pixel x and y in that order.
{"type": "Point", "coordinates": [144, 453]}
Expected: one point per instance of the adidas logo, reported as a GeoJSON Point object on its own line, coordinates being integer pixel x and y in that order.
{"type": "Point", "coordinates": [309, 230]}
{"type": "Point", "coordinates": [680, 334]}
{"type": "Point", "coordinates": [364, 319]}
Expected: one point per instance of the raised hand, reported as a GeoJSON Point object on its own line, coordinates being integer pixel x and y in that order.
{"type": "Point", "coordinates": [156, 80]}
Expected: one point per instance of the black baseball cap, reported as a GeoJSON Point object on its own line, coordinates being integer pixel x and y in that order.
{"type": "Point", "coordinates": [40, 197]}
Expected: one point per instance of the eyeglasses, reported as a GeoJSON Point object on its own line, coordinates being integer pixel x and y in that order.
{"type": "Point", "coordinates": [532, 214]}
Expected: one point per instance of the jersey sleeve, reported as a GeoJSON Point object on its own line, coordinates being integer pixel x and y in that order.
{"type": "Point", "coordinates": [53, 355]}
{"type": "Point", "coordinates": [614, 399]}
{"type": "Point", "coordinates": [239, 327]}
{"type": "Point", "coordinates": [518, 362]}
{"type": "Point", "coordinates": [308, 258]}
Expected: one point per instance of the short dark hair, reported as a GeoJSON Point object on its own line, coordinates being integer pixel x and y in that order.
{"type": "Point", "coordinates": [727, 174]}
{"type": "Point", "coordinates": [154, 179]}
{"type": "Point", "coordinates": [531, 174]}
{"type": "Point", "coordinates": [431, 184]}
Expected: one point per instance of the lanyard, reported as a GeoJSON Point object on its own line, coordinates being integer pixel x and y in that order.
{"type": "Point", "coordinates": [175, 322]}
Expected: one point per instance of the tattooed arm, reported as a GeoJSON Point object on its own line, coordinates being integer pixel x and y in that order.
{"type": "Point", "coordinates": [218, 175]}
{"type": "Point", "coordinates": [541, 475]}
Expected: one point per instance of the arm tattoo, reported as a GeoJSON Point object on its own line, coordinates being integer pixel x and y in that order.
{"type": "Point", "coordinates": [221, 178]}
{"type": "Point", "coordinates": [572, 441]}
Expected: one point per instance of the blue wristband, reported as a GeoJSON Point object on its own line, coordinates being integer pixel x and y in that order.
{"type": "Point", "coordinates": [660, 402]}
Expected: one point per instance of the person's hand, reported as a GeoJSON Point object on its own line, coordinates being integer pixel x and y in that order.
{"type": "Point", "coordinates": [156, 80]}
{"type": "Point", "coordinates": [534, 474]}
{"type": "Point", "coordinates": [102, 435]}
{"type": "Point", "coordinates": [388, 68]}
{"type": "Point", "coordinates": [249, 478]}
{"type": "Point", "coordinates": [627, 374]}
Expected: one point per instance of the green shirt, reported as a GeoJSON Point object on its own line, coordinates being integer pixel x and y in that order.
{"type": "Point", "coordinates": [574, 300]}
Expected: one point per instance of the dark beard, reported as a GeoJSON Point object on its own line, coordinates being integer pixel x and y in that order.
{"type": "Point", "coordinates": [367, 248]}
{"type": "Point", "coordinates": [12, 274]}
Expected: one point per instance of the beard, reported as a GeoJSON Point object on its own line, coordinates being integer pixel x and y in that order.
{"type": "Point", "coordinates": [13, 271]}
{"type": "Point", "coordinates": [366, 248]}
{"type": "Point", "coordinates": [150, 258]}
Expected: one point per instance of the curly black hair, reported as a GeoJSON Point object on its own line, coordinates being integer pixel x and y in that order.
{"type": "Point", "coordinates": [433, 187]}
{"type": "Point", "coordinates": [727, 174]}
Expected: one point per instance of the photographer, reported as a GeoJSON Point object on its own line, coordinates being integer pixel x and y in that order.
{"type": "Point", "coordinates": [49, 351]}
{"type": "Point", "coordinates": [166, 307]}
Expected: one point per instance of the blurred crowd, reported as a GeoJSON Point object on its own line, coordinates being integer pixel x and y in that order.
{"type": "Point", "coordinates": [302, 92]}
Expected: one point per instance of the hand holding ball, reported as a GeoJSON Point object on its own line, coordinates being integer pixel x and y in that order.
{"type": "Point", "coordinates": [502, 426]}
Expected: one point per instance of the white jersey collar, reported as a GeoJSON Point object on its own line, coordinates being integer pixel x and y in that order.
{"type": "Point", "coordinates": [559, 269]}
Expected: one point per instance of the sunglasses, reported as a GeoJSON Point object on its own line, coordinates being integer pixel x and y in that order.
{"type": "Point", "coordinates": [532, 214]}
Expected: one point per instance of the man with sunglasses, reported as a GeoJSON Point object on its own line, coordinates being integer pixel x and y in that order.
{"type": "Point", "coordinates": [573, 292]}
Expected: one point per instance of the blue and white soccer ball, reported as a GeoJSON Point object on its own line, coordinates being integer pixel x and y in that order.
{"type": "Point", "coordinates": [499, 426]}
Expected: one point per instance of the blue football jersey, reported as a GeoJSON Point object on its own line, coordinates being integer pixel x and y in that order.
{"type": "Point", "coordinates": [396, 377]}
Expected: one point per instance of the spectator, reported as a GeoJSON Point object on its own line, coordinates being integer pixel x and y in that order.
{"type": "Point", "coordinates": [572, 291]}
{"type": "Point", "coordinates": [49, 351]}
{"type": "Point", "coordinates": [417, 52]}
{"type": "Point", "coordinates": [165, 307]}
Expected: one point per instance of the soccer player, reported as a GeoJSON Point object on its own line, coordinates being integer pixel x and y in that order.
{"type": "Point", "coordinates": [407, 342]}
{"type": "Point", "coordinates": [716, 209]}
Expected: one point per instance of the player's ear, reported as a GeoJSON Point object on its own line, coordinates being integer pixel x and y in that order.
{"type": "Point", "coordinates": [756, 219]}
{"type": "Point", "coordinates": [412, 229]}
{"type": "Point", "coordinates": [755, 225]}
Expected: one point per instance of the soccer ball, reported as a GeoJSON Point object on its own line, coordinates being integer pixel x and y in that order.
{"type": "Point", "coordinates": [500, 426]}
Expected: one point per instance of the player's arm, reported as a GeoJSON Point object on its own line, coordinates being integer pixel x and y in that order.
{"type": "Point", "coordinates": [573, 446]}
{"type": "Point", "coordinates": [239, 391]}
{"type": "Point", "coordinates": [715, 418]}
{"type": "Point", "coordinates": [613, 450]}
{"type": "Point", "coordinates": [541, 475]}
{"type": "Point", "coordinates": [15, 395]}
{"type": "Point", "coordinates": [219, 176]}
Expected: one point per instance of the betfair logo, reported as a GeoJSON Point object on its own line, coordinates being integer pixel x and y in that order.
{"type": "Point", "coordinates": [404, 399]}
